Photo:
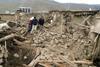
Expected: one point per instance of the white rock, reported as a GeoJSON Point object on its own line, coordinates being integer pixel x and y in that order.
{"type": "Point", "coordinates": [35, 41]}
{"type": "Point", "coordinates": [33, 45]}
{"type": "Point", "coordinates": [52, 42]}
{"type": "Point", "coordinates": [4, 26]}
{"type": "Point", "coordinates": [63, 36]}
{"type": "Point", "coordinates": [56, 41]}
{"type": "Point", "coordinates": [16, 55]}
{"type": "Point", "coordinates": [25, 57]}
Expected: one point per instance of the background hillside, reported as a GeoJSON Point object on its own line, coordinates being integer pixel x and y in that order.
{"type": "Point", "coordinates": [40, 5]}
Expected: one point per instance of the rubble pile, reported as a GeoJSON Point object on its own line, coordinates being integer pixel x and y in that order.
{"type": "Point", "coordinates": [57, 44]}
{"type": "Point", "coordinates": [58, 47]}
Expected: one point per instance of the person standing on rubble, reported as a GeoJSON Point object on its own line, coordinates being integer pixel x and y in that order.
{"type": "Point", "coordinates": [41, 22]}
{"type": "Point", "coordinates": [29, 26]}
{"type": "Point", "coordinates": [34, 24]}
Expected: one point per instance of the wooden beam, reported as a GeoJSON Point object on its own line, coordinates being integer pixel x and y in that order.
{"type": "Point", "coordinates": [7, 37]}
{"type": "Point", "coordinates": [95, 43]}
{"type": "Point", "coordinates": [83, 62]}
{"type": "Point", "coordinates": [12, 36]}
{"type": "Point", "coordinates": [36, 59]}
{"type": "Point", "coordinates": [86, 19]}
{"type": "Point", "coordinates": [97, 48]}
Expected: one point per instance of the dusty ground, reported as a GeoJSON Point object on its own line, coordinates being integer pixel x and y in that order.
{"type": "Point", "coordinates": [57, 43]}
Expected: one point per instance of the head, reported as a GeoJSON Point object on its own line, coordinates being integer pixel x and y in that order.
{"type": "Point", "coordinates": [31, 18]}
{"type": "Point", "coordinates": [34, 17]}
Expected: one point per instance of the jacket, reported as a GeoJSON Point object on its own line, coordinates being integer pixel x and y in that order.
{"type": "Point", "coordinates": [34, 21]}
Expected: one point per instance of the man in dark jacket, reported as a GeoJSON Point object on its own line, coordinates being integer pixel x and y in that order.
{"type": "Point", "coordinates": [41, 23]}
{"type": "Point", "coordinates": [34, 24]}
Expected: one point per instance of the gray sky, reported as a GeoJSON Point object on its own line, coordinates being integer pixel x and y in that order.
{"type": "Point", "coordinates": [80, 1]}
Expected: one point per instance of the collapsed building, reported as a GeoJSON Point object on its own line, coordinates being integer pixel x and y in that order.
{"type": "Point", "coordinates": [68, 37]}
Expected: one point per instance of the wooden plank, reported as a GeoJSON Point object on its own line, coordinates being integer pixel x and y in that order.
{"type": "Point", "coordinates": [7, 37]}
{"type": "Point", "coordinates": [36, 59]}
{"type": "Point", "coordinates": [86, 19]}
{"type": "Point", "coordinates": [83, 62]}
{"type": "Point", "coordinates": [97, 49]}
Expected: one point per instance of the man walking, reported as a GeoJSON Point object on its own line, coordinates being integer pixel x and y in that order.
{"type": "Point", "coordinates": [34, 24]}
{"type": "Point", "coordinates": [41, 23]}
{"type": "Point", "coordinates": [29, 26]}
